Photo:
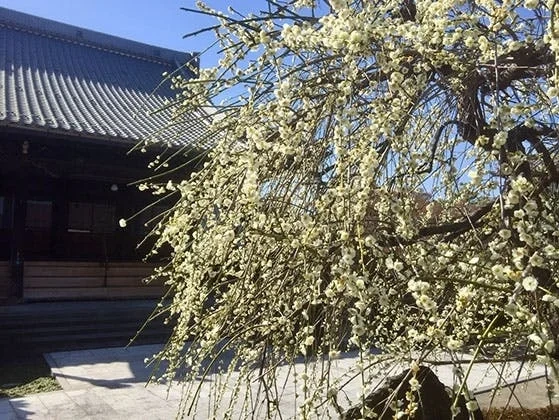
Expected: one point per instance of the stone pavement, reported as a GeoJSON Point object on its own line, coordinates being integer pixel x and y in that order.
{"type": "Point", "coordinates": [110, 384]}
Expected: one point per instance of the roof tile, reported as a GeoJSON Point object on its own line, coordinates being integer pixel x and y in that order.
{"type": "Point", "coordinates": [71, 80]}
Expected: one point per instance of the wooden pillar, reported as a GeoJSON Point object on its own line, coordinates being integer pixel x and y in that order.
{"type": "Point", "coordinates": [20, 197]}
{"type": "Point", "coordinates": [59, 220]}
{"type": "Point", "coordinates": [17, 257]}
{"type": "Point", "coordinates": [123, 210]}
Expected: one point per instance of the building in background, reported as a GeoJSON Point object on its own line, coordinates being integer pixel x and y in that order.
{"type": "Point", "coordinates": [73, 102]}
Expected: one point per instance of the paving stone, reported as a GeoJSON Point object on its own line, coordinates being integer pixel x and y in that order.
{"type": "Point", "coordinates": [6, 410]}
{"type": "Point", "coordinates": [147, 400]}
{"type": "Point", "coordinates": [29, 407]}
{"type": "Point", "coordinates": [5, 407]}
{"type": "Point", "coordinates": [149, 415]}
{"type": "Point", "coordinates": [67, 413]}
{"type": "Point", "coordinates": [53, 400]}
{"type": "Point", "coordinates": [90, 402]}
{"type": "Point", "coordinates": [128, 407]}
{"type": "Point", "coordinates": [530, 394]}
{"type": "Point", "coordinates": [164, 393]}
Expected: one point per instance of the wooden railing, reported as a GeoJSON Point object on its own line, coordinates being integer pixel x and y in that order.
{"type": "Point", "coordinates": [50, 280]}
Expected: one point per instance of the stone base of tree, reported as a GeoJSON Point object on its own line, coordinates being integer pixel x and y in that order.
{"type": "Point", "coordinates": [433, 399]}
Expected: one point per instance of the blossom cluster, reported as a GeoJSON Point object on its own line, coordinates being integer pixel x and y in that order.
{"type": "Point", "coordinates": [359, 196]}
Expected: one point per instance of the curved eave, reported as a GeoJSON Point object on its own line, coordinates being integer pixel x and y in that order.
{"type": "Point", "coordinates": [30, 129]}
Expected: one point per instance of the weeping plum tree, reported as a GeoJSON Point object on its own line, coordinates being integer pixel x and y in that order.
{"type": "Point", "coordinates": [383, 177]}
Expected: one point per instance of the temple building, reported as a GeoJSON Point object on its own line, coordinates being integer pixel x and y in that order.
{"type": "Point", "coordinates": [73, 103]}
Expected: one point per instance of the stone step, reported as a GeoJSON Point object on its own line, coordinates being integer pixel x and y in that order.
{"type": "Point", "coordinates": [75, 319]}
{"type": "Point", "coordinates": [79, 325]}
{"type": "Point", "coordinates": [67, 329]}
{"type": "Point", "coordinates": [54, 316]}
{"type": "Point", "coordinates": [85, 339]}
{"type": "Point", "coordinates": [85, 342]}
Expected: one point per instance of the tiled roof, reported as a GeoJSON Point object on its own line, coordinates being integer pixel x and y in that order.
{"type": "Point", "coordinates": [68, 80]}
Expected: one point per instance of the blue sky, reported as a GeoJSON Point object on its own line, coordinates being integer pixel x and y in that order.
{"type": "Point", "coordinates": [160, 23]}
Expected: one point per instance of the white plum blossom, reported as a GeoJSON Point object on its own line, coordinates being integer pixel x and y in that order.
{"type": "Point", "coordinates": [454, 344]}
{"type": "Point", "coordinates": [472, 405]}
{"type": "Point", "coordinates": [530, 283]}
